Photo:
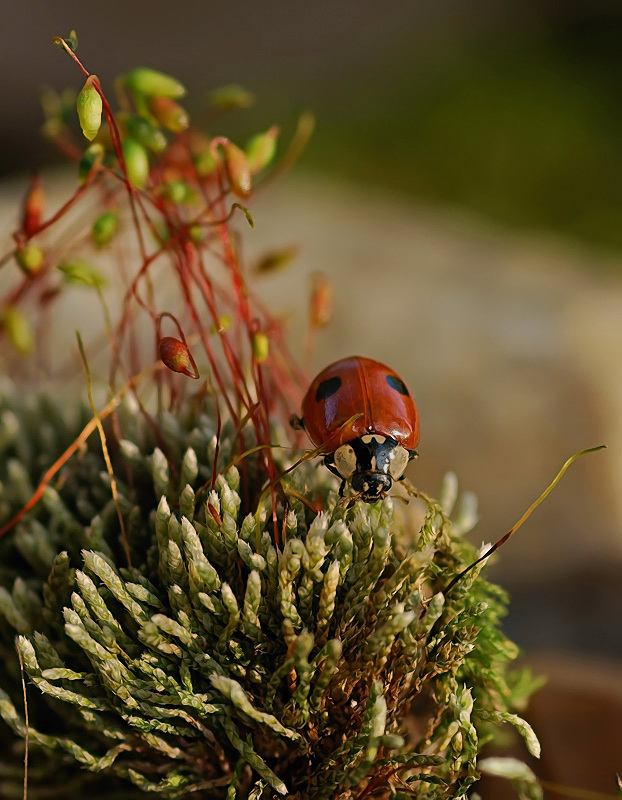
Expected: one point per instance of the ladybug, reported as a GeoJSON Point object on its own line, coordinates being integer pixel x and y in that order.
{"type": "Point", "coordinates": [362, 415]}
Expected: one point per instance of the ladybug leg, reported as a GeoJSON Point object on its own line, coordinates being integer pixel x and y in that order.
{"type": "Point", "coordinates": [297, 423]}
{"type": "Point", "coordinates": [413, 492]}
{"type": "Point", "coordinates": [330, 466]}
{"type": "Point", "coordinates": [410, 489]}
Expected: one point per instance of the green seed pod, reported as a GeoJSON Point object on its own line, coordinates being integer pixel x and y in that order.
{"type": "Point", "coordinates": [205, 163]}
{"type": "Point", "coordinates": [169, 114]}
{"type": "Point", "coordinates": [237, 170]}
{"type": "Point", "coordinates": [90, 162]}
{"type": "Point", "coordinates": [152, 83]}
{"type": "Point", "coordinates": [231, 96]}
{"type": "Point", "coordinates": [81, 273]}
{"type": "Point", "coordinates": [89, 106]}
{"type": "Point", "coordinates": [196, 233]}
{"type": "Point", "coordinates": [260, 150]}
{"type": "Point", "coordinates": [30, 258]}
{"type": "Point", "coordinates": [261, 346]}
{"type": "Point", "coordinates": [136, 163]}
{"type": "Point", "coordinates": [224, 323]}
{"type": "Point", "coordinates": [145, 133]}
{"type": "Point", "coordinates": [178, 191]}
{"type": "Point", "coordinates": [18, 330]}
{"type": "Point", "coordinates": [104, 228]}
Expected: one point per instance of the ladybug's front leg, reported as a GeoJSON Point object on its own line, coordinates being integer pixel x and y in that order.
{"type": "Point", "coordinates": [329, 463]}
{"type": "Point", "coordinates": [297, 423]}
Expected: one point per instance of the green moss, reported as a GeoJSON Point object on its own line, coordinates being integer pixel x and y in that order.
{"type": "Point", "coordinates": [218, 665]}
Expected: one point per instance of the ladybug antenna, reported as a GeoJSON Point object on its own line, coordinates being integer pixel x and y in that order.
{"type": "Point", "coordinates": [524, 518]}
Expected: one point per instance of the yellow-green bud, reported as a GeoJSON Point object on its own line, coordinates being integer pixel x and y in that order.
{"type": "Point", "coordinates": [205, 163]}
{"type": "Point", "coordinates": [136, 163]}
{"type": "Point", "coordinates": [30, 258]}
{"type": "Point", "coordinates": [89, 106]}
{"type": "Point", "coordinates": [260, 150]}
{"type": "Point", "coordinates": [104, 228]}
{"type": "Point", "coordinates": [152, 83]}
{"type": "Point", "coordinates": [18, 330]}
{"type": "Point", "coordinates": [224, 323]}
{"type": "Point", "coordinates": [178, 191]}
{"type": "Point", "coordinates": [261, 346]}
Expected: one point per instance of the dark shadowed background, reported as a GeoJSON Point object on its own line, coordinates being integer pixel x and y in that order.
{"type": "Point", "coordinates": [463, 191]}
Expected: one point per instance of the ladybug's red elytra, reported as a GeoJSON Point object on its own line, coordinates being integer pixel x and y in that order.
{"type": "Point", "coordinates": [362, 415]}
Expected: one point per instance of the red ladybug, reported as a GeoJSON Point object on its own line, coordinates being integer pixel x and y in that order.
{"type": "Point", "coordinates": [362, 415]}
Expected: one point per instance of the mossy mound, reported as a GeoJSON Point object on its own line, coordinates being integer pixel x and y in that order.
{"type": "Point", "coordinates": [241, 655]}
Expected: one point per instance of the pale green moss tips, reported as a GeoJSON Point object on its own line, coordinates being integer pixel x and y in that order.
{"type": "Point", "coordinates": [222, 666]}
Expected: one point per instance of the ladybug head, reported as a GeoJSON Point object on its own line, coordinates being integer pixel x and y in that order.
{"type": "Point", "coordinates": [371, 485]}
{"type": "Point", "coordinates": [370, 464]}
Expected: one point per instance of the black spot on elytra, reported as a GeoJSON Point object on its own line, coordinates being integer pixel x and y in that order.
{"type": "Point", "coordinates": [327, 388]}
{"type": "Point", "coordinates": [397, 384]}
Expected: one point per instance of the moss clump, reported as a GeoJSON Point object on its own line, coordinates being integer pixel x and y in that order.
{"type": "Point", "coordinates": [219, 665]}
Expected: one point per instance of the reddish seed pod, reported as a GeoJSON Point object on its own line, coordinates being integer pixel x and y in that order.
{"type": "Point", "coordinates": [175, 355]}
{"type": "Point", "coordinates": [169, 114]}
{"type": "Point", "coordinates": [33, 207]}
{"type": "Point", "coordinates": [237, 170]}
{"type": "Point", "coordinates": [321, 308]}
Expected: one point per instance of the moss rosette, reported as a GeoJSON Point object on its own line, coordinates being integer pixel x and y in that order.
{"type": "Point", "coordinates": [219, 665]}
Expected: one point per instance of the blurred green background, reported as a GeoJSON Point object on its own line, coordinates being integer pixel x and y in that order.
{"type": "Point", "coordinates": [508, 109]}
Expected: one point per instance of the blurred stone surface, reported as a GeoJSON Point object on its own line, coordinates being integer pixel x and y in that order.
{"type": "Point", "coordinates": [512, 348]}
{"type": "Point", "coordinates": [577, 716]}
